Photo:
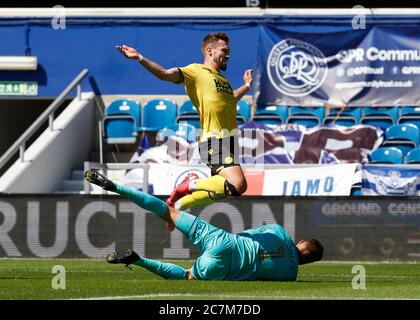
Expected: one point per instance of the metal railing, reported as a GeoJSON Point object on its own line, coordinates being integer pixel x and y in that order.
{"type": "Point", "coordinates": [19, 145]}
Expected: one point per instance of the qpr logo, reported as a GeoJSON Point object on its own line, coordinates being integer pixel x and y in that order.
{"type": "Point", "coordinates": [296, 68]}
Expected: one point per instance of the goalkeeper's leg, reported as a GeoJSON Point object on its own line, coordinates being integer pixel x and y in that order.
{"type": "Point", "coordinates": [145, 201]}
{"type": "Point", "coordinates": [163, 269]}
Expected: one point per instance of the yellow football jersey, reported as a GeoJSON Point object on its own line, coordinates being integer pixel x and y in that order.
{"type": "Point", "coordinates": [212, 95]}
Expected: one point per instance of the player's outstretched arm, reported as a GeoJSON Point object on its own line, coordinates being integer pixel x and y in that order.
{"type": "Point", "coordinates": [171, 75]}
{"type": "Point", "coordinates": [242, 90]}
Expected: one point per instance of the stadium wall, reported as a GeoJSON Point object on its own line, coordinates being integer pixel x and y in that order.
{"type": "Point", "coordinates": [74, 226]}
{"type": "Point", "coordinates": [89, 42]}
{"type": "Point", "coordinates": [62, 53]}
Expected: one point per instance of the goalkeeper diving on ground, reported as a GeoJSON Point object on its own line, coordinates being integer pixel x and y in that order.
{"type": "Point", "coordinates": [263, 253]}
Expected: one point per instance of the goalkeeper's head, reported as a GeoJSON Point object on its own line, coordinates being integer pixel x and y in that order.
{"type": "Point", "coordinates": [309, 251]}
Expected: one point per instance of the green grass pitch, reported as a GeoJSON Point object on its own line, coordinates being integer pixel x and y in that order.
{"type": "Point", "coordinates": [95, 279]}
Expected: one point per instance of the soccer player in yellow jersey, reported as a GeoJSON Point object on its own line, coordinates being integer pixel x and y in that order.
{"type": "Point", "coordinates": [213, 97]}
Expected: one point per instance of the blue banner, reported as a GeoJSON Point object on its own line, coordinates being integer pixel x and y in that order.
{"type": "Point", "coordinates": [311, 65]}
{"type": "Point", "coordinates": [390, 180]}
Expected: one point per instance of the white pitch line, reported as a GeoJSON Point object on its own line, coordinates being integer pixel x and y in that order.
{"type": "Point", "coordinates": [332, 262]}
{"type": "Point", "coordinates": [351, 276]}
{"type": "Point", "coordinates": [328, 262]}
{"type": "Point", "coordinates": [186, 295]}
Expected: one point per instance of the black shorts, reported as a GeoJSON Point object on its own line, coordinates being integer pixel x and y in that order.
{"type": "Point", "coordinates": [218, 154]}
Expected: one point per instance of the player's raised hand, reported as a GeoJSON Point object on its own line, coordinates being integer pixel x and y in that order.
{"type": "Point", "coordinates": [128, 52]}
{"type": "Point", "coordinates": [248, 76]}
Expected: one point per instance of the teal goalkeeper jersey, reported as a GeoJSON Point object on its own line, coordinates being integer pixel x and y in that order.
{"type": "Point", "coordinates": [265, 253]}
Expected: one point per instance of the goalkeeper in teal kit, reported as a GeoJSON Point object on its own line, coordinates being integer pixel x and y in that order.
{"type": "Point", "coordinates": [263, 253]}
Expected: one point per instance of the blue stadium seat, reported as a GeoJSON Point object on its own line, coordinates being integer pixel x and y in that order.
{"type": "Point", "coordinates": [307, 116]}
{"type": "Point", "coordinates": [158, 113]}
{"type": "Point", "coordinates": [271, 115]}
{"type": "Point", "coordinates": [123, 106]}
{"type": "Point", "coordinates": [187, 107]}
{"type": "Point", "coordinates": [192, 119]}
{"type": "Point", "coordinates": [188, 114]}
{"type": "Point", "coordinates": [409, 111]}
{"type": "Point", "coordinates": [184, 130]}
{"type": "Point", "coordinates": [243, 111]}
{"type": "Point", "coordinates": [382, 117]}
{"type": "Point", "coordinates": [121, 121]}
{"type": "Point", "coordinates": [413, 157]}
{"type": "Point", "coordinates": [407, 131]}
{"type": "Point", "coordinates": [402, 136]}
{"type": "Point", "coordinates": [119, 129]}
{"type": "Point", "coordinates": [386, 155]}
{"type": "Point", "coordinates": [347, 116]}
{"type": "Point", "coordinates": [356, 189]}
{"type": "Point", "coordinates": [410, 115]}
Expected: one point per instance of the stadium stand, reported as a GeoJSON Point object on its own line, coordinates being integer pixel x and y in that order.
{"type": "Point", "coordinates": [409, 115]}
{"type": "Point", "coordinates": [384, 155]}
{"type": "Point", "coordinates": [402, 136]}
{"type": "Point", "coordinates": [307, 116]}
{"type": "Point", "coordinates": [382, 117]}
{"type": "Point", "coordinates": [413, 157]}
{"type": "Point", "coordinates": [158, 113]}
{"type": "Point", "coordinates": [187, 107]}
{"type": "Point", "coordinates": [346, 116]}
{"type": "Point", "coordinates": [188, 114]}
{"type": "Point", "coordinates": [183, 130]}
{"type": "Point", "coordinates": [121, 121]}
{"type": "Point", "coordinates": [192, 119]}
{"type": "Point", "coordinates": [356, 190]}
{"type": "Point", "coordinates": [243, 110]}
{"type": "Point", "coordinates": [271, 115]}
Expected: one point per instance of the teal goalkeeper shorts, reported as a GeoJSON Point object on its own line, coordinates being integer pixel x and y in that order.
{"type": "Point", "coordinates": [215, 246]}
